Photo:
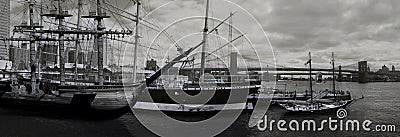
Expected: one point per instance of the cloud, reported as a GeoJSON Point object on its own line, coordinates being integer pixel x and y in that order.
{"type": "Point", "coordinates": [354, 29]}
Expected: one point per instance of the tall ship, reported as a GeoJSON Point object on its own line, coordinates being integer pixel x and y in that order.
{"type": "Point", "coordinates": [201, 89]}
{"type": "Point", "coordinates": [60, 65]}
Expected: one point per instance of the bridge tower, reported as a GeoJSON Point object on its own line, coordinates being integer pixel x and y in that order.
{"type": "Point", "coordinates": [340, 77]}
{"type": "Point", "coordinates": [363, 72]}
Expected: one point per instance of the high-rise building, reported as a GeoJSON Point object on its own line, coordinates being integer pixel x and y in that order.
{"type": "Point", "coordinates": [4, 27]}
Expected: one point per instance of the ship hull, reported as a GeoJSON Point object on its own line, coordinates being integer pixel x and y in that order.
{"type": "Point", "coordinates": [108, 97]}
{"type": "Point", "coordinates": [195, 99]}
{"type": "Point", "coordinates": [59, 108]}
{"type": "Point", "coordinates": [320, 110]}
{"type": "Point", "coordinates": [88, 102]}
{"type": "Point", "coordinates": [193, 95]}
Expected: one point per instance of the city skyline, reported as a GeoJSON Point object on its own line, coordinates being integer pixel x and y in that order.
{"type": "Point", "coordinates": [354, 30]}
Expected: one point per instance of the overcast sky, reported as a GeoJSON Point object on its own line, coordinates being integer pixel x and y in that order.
{"type": "Point", "coordinates": [354, 29]}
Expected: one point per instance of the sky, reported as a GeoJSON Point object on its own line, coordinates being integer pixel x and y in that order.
{"type": "Point", "coordinates": [354, 30]}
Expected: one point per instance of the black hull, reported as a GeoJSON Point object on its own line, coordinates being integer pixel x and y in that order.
{"type": "Point", "coordinates": [188, 95]}
{"type": "Point", "coordinates": [276, 101]}
{"type": "Point", "coordinates": [333, 110]}
{"type": "Point", "coordinates": [53, 109]}
{"type": "Point", "coordinates": [80, 105]}
{"type": "Point", "coordinates": [87, 102]}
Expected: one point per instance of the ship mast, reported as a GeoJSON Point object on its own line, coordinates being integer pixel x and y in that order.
{"type": "Point", "coordinates": [309, 62]}
{"type": "Point", "coordinates": [98, 16]}
{"type": "Point", "coordinates": [32, 55]}
{"type": "Point", "coordinates": [230, 35]}
{"type": "Point", "coordinates": [61, 17]}
{"type": "Point", "coordinates": [78, 27]}
{"type": "Point", "coordinates": [136, 41]}
{"type": "Point", "coordinates": [59, 14]}
{"type": "Point", "coordinates": [99, 41]}
{"type": "Point", "coordinates": [233, 55]}
{"type": "Point", "coordinates": [203, 49]}
{"type": "Point", "coordinates": [333, 75]}
{"type": "Point", "coordinates": [39, 56]}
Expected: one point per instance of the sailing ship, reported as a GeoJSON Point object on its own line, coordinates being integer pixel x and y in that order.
{"type": "Point", "coordinates": [199, 92]}
{"type": "Point", "coordinates": [320, 102]}
{"type": "Point", "coordinates": [82, 90]}
{"type": "Point", "coordinates": [45, 87]}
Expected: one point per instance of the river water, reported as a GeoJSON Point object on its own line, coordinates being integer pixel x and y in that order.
{"type": "Point", "coordinates": [380, 105]}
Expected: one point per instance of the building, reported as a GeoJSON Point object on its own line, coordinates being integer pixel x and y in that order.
{"type": "Point", "coordinates": [385, 74]}
{"type": "Point", "coordinates": [19, 57]}
{"type": "Point", "coordinates": [384, 70]}
{"type": "Point", "coordinates": [4, 27]}
{"type": "Point", "coordinates": [363, 71]}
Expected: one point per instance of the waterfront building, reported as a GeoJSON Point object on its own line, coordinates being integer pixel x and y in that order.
{"type": "Point", "coordinates": [4, 27]}
{"type": "Point", "coordinates": [384, 69]}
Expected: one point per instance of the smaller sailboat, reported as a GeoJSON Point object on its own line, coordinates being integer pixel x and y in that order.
{"type": "Point", "coordinates": [317, 102]}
